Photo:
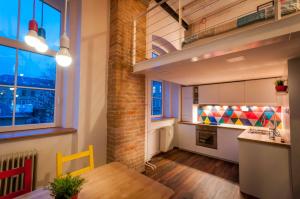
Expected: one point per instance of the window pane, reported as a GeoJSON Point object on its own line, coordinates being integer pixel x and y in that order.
{"type": "Point", "coordinates": [9, 19]}
{"type": "Point", "coordinates": [156, 89]}
{"type": "Point", "coordinates": [52, 20]}
{"type": "Point", "coordinates": [156, 106]}
{"type": "Point", "coordinates": [6, 106]}
{"type": "Point", "coordinates": [34, 106]}
{"type": "Point", "coordinates": [156, 98]}
{"type": "Point", "coordinates": [36, 70]}
{"type": "Point", "coordinates": [7, 65]}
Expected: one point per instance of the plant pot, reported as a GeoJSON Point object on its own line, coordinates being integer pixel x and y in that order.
{"type": "Point", "coordinates": [75, 196]}
{"type": "Point", "coordinates": [281, 88]}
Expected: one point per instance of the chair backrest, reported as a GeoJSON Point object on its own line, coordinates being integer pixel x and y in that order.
{"type": "Point", "coordinates": [17, 171]}
{"type": "Point", "coordinates": [60, 160]}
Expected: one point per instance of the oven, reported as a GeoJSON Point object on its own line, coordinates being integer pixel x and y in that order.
{"type": "Point", "coordinates": [207, 136]}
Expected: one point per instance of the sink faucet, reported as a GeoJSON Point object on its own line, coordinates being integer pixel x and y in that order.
{"type": "Point", "coordinates": [273, 132]}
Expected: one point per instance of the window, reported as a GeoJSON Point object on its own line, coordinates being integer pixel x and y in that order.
{"type": "Point", "coordinates": [156, 108]}
{"type": "Point", "coordinates": [27, 79]}
{"type": "Point", "coordinates": [154, 55]}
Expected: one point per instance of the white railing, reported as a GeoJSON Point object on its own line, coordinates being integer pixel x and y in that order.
{"type": "Point", "coordinates": [172, 25]}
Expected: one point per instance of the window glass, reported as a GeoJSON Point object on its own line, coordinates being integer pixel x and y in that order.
{"type": "Point", "coordinates": [6, 106]}
{"type": "Point", "coordinates": [36, 70]}
{"type": "Point", "coordinates": [9, 19]}
{"type": "Point", "coordinates": [156, 98]}
{"type": "Point", "coordinates": [154, 55]}
{"type": "Point", "coordinates": [34, 106]}
{"type": "Point", "coordinates": [52, 18]}
{"type": "Point", "coordinates": [7, 65]}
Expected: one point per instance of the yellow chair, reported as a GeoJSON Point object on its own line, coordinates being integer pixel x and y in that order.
{"type": "Point", "coordinates": [60, 160]}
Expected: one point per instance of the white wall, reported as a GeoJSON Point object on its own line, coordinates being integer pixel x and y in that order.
{"type": "Point", "coordinates": [84, 105]}
{"type": "Point", "coordinates": [93, 77]}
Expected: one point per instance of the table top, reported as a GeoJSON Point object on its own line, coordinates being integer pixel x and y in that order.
{"type": "Point", "coordinates": [111, 181]}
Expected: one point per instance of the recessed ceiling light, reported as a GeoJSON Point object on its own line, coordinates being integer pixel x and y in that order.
{"type": "Point", "coordinates": [235, 59]}
{"type": "Point", "coordinates": [195, 59]}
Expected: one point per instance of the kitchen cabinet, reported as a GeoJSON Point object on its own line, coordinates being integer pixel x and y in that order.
{"type": "Point", "coordinates": [254, 92]}
{"type": "Point", "coordinates": [261, 92]}
{"type": "Point", "coordinates": [187, 104]}
{"type": "Point", "coordinates": [232, 93]}
{"type": "Point", "coordinates": [229, 145]}
{"type": "Point", "coordinates": [264, 170]}
{"type": "Point", "coordinates": [186, 137]}
{"type": "Point", "coordinates": [208, 94]}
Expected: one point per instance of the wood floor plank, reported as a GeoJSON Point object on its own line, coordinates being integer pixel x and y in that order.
{"type": "Point", "coordinates": [194, 176]}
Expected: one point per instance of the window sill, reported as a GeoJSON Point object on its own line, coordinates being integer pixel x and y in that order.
{"type": "Point", "coordinates": [159, 119]}
{"type": "Point", "coordinates": [34, 133]}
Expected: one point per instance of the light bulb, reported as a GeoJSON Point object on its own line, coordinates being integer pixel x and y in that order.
{"type": "Point", "coordinates": [31, 38]}
{"type": "Point", "coordinates": [41, 46]}
{"type": "Point", "coordinates": [63, 57]}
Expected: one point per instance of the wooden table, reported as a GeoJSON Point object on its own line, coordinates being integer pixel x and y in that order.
{"type": "Point", "coordinates": [113, 181]}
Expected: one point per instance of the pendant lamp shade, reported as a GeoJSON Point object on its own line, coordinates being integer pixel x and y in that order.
{"type": "Point", "coordinates": [31, 38]}
{"type": "Point", "coordinates": [63, 56]}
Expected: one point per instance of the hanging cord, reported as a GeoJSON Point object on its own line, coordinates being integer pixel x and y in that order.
{"type": "Point", "coordinates": [33, 9]}
{"type": "Point", "coordinates": [42, 20]}
{"type": "Point", "coordinates": [65, 19]}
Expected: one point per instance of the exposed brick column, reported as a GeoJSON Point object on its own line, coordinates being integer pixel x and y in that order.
{"type": "Point", "coordinates": [126, 91]}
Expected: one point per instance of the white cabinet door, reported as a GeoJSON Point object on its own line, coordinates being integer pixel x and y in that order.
{"type": "Point", "coordinates": [186, 137]}
{"type": "Point", "coordinates": [261, 92]}
{"type": "Point", "coordinates": [209, 94]}
{"type": "Point", "coordinates": [228, 143]}
{"type": "Point", "coordinates": [187, 104]}
{"type": "Point", "coordinates": [232, 93]}
{"type": "Point", "coordinates": [264, 170]}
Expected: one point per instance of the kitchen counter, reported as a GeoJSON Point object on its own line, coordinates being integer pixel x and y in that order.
{"type": "Point", "coordinates": [231, 126]}
{"type": "Point", "coordinates": [262, 138]}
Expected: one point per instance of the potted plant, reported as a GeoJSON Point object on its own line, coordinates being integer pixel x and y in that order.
{"type": "Point", "coordinates": [66, 187]}
{"type": "Point", "coordinates": [280, 87]}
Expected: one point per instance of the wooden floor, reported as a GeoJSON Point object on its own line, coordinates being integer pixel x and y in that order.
{"type": "Point", "coordinates": [193, 176]}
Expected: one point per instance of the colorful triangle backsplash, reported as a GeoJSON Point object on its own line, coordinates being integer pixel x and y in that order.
{"type": "Point", "coordinates": [241, 115]}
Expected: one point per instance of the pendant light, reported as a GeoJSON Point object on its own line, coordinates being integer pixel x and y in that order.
{"type": "Point", "coordinates": [63, 56]}
{"type": "Point", "coordinates": [41, 45]}
{"type": "Point", "coordinates": [31, 38]}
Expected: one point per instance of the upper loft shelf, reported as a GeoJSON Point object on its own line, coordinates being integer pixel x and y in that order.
{"type": "Point", "coordinates": [248, 37]}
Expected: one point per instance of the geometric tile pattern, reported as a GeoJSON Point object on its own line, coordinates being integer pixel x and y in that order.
{"type": "Point", "coordinates": [241, 115]}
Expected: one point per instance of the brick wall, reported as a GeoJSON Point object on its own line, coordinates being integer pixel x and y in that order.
{"type": "Point", "coordinates": [126, 91]}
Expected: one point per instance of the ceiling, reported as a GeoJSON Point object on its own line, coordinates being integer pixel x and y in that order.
{"type": "Point", "coordinates": [262, 62]}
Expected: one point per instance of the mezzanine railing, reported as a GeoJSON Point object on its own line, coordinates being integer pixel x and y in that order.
{"type": "Point", "coordinates": [172, 25]}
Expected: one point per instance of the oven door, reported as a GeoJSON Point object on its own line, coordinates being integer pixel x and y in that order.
{"type": "Point", "coordinates": [206, 139]}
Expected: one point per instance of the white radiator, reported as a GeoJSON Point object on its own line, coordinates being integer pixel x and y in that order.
{"type": "Point", "coordinates": [15, 160]}
{"type": "Point", "coordinates": [166, 138]}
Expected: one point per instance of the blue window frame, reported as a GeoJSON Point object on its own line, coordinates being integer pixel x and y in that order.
{"type": "Point", "coordinates": [156, 105]}
{"type": "Point", "coordinates": [27, 79]}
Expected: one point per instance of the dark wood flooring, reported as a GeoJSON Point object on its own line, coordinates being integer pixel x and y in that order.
{"type": "Point", "coordinates": [194, 176]}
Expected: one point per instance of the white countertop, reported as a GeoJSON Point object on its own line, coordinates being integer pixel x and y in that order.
{"type": "Point", "coordinates": [263, 138]}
